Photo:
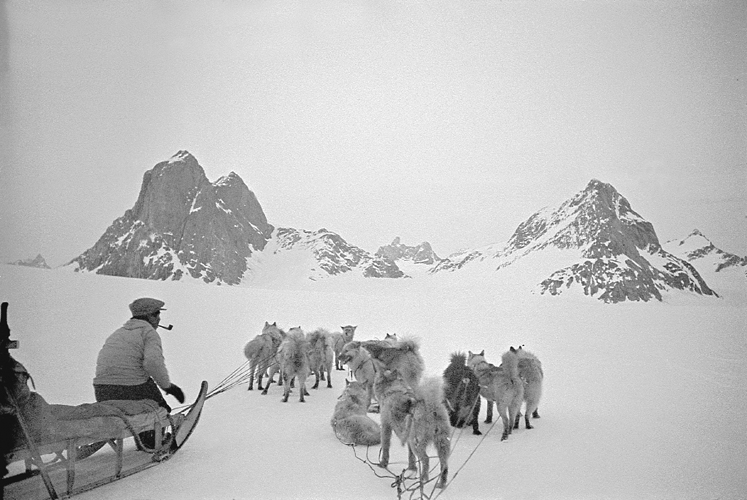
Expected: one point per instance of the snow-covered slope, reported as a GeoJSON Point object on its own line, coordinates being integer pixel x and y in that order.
{"type": "Point", "coordinates": [725, 272]}
{"type": "Point", "coordinates": [642, 401]}
{"type": "Point", "coordinates": [293, 256]}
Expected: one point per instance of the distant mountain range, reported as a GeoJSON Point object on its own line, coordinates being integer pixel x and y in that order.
{"type": "Point", "coordinates": [182, 226]}
{"type": "Point", "coordinates": [37, 261]}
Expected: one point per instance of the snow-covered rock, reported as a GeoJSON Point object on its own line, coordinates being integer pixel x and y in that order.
{"type": "Point", "coordinates": [294, 255]}
{"type": "Point", "coordinates": [724, 271]}
{"type": "Point", "coordinates": [603, 248]}
{"type": "Point", "coordinates": [182, 225]}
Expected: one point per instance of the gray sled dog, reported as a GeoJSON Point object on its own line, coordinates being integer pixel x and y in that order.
{"type": "Point", "coordinates": [294, 362]}
{"type": "Point", "coordinates": [320, 356]}
{"type": "Point", "coordinates": [530, 371]}
{"type": "Point", "coordinates": [360, 365]}
{"type": "Point", "coordinates": [404, 357]}
{"type": "Point", "coordinates": [418, 417]}
{"type": "Point", "coordinates": [350, 422]}
{"type": "Point", "coordinates": [339, 340]}
{"type": "Point", "coordinates": [261, 350]}
{"type": "Point", "coordinates": [502, 385]}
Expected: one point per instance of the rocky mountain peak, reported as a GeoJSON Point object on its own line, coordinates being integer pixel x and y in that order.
{"type": "Point", "coordinates": [697, 249]}
{"type": "Point", "coordinates": [602, 246]}
{"type": "Point", "coordinates": [419, 254]}
{"type": "Point", "coordinates": [37, 262]}
{"type": "Point", "coordinates": [181, 223]}
{"type": "Point", "coordinates": [597, 218]}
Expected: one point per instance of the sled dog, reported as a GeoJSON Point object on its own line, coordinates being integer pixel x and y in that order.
{"type": "Point", "coordinates": [350, 422]}
{"type": "Point", "coordinates": [339, 340]}
{"type": "Point", "coordinates": [294, 362]}
{"type": "Point", "coordinates": [360, 364]}
{"type": "Point", "coordinates": [404, 357]}
{"type": "Point", "coordinates": [391, 338]}
{"type": "Point", "coordinates": [320, 356]}
{"type": "Point", "coordinates": [502, 385]}
{"type": "Point", "coordinates": [462, 393]}
{"type": "Point", "coordinates": [418, 417]}
{"type": "Point", "coordinates": [530, 371]}
{"type": "Point", "coordinates": [261, 350]}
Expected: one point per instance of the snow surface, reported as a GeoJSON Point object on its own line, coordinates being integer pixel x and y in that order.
{"type": "Point", "coordinates": [641, 400]}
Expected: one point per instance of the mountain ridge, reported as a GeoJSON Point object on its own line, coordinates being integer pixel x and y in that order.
{"type": "Point", "coordinates": [184, 226]}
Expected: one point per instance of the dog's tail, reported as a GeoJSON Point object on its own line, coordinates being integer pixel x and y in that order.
{"type": "Point", "coordinates": [510, 364]}
{"type": "Point", "coordinates": [251, 348]}
{"type": "Point", "coordinates": [409, 344]}
{"type": "Point", "coordinates": [458, 359]}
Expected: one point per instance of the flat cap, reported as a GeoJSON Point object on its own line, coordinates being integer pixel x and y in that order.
{"type": "Point", "coordinates": [145, 305]}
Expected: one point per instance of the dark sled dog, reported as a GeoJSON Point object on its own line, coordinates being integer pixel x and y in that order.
{"type": "Point", "coordinates": [418, 417]}
{"type": "Point", "coordinates": [502, 385]}
{"type": "Point", "coordinates": [462, 393]}
{"type": "Point", "coordinates": [261, 351]}
{"type": "Point", "coordinates": [350, 421]}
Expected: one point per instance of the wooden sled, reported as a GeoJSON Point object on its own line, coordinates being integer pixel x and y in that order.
{"type": "Point", "coordinates": [68, 459]}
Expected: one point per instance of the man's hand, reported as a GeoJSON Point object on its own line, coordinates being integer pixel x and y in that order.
{"type": "Point", "coordinates": [175, 391]}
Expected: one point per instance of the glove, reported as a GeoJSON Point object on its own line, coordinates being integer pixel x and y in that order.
{"type": "Point", "coordinates": [175, 391]}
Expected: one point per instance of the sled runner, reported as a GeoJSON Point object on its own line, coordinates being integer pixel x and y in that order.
{"type": "Point", "coordinates": [57, 451]}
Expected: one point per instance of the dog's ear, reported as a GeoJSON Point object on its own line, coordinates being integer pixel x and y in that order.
{"type": "Point", "coordinates": [482, 353]}
{"type": "Point", "coordinates": [512, 349]}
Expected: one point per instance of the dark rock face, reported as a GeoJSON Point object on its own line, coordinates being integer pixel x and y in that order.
{"type": "Point", "coordinates": [336, 256]}
{"type": "Point", "coordinates": [182, 224]}
{"type": "Point", "coordinates": [37, 262]}
{"type": "Point", "coordinates": [420, 254]}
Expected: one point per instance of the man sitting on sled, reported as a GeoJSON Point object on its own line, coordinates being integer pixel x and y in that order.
{"type": "Point", "coordinates": [131, 365]}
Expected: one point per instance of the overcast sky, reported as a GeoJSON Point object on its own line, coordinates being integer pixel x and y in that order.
{"type": "Point", "coordinates": [442, 121]}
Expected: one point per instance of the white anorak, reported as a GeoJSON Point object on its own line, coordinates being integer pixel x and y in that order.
{"type": "Point", "coordinates": [131, 355]}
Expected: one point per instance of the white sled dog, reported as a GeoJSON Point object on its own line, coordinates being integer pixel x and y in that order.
{"type": "Point", "coordinates": [403, 356]}
{"type": "Point", "coordinates": [261, 350]}
{"type": "Point", "coordinates": [350, 422]}
{"type": "Point", "coordinates": [360, 365]}
{"type": "Point", "coordinates": [502, 385]}
{"type": "Point", "coordinates": [530, 371]}
{"type": "Point", "coordinates": [294, 362]}
{"type": "Point", "coordinates": [418, 417]}
{"type": "Point", "coordinates": [320, 356]}
{"type": "Point", "coordinates": [339, 340]}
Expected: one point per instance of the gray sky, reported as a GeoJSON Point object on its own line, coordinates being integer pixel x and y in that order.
{"type": "Point", "coordinates": [446, 121]}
